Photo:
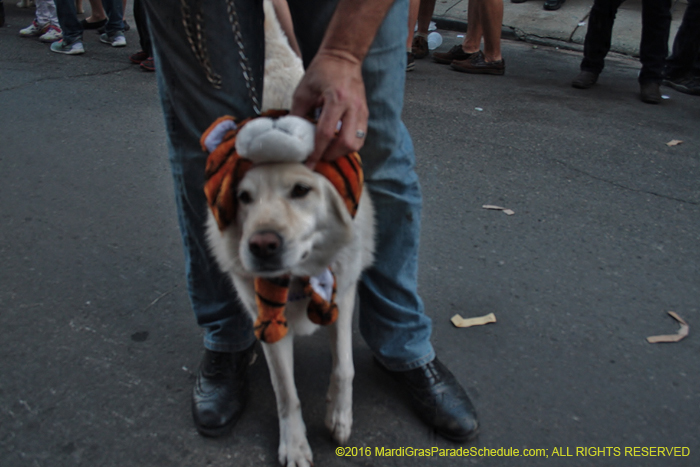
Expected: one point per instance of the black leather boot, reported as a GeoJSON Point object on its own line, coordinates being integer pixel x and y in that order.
{"type": "Point", "coordinates": [440, 401]}
{"type": "Point", "coordinates": [220, 391]}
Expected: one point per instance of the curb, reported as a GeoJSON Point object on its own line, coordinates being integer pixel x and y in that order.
{"type": "Point", "coordinates": [507, 32]}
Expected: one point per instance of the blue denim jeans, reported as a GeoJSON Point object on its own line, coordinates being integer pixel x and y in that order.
{"type": "Point", "coordinates": [653, 49]}
{"type": "Point", "coordinates": [392, 319]}
{"type": "Point", "coordinates": [73, 30]}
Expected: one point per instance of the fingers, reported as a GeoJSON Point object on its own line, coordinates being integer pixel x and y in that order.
{"type": "Point", "coordinates": [337, 87]}
{"type": "Point", "coordinates": [304, 100]}
{"type": "Point", "coordinates": [325, 132]}
{"type": "Point", "coordinates": [351, 136]}
{"type": "Point", "coordinates": [340, 130]}
{"type": "Point", "coordinates": [336, 133]}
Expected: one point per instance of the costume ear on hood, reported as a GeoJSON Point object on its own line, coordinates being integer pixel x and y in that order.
{"type": "Point", "coordinates": [274, 137]}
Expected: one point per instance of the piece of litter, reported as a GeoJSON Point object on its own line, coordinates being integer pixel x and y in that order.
{"type": "Point", "coordinates": [682, 332]}
{"type": "Point", "coordinates": [534, 46]}
{"type": "Point", "coordinates": [665, 96]}
{"type": "Point", "coordinates": [469, 322]}
{"type": "Point", "coordinates": [478, 108]}
{"type": "Point", "coordinates": [460, 35]}
{"type": "Point", "coordinates": [509, 212]}
{"type": "Point", "coordinates": [582, 23]}
{"type": "Point", "coordinates": [673, 142]}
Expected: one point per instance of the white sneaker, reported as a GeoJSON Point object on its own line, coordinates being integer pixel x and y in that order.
{"type": "Point", "coordinates": [117, 40]}
{"type": "Point", "coordinates": [52, 35]}
{"type": "Point", "coordinates": [69, 49]}
{"type": "Point", "coordinates": [34, 29]}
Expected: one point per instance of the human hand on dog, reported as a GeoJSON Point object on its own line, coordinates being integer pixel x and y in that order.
{"type": "Point", "coordinates": [333, 82]}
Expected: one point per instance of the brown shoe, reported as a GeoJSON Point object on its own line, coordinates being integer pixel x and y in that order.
{"type": "Point", "coordinates": [455, 53]}
{"type": "Point", "coordinates": [585, 80]}
{"type": "Point", "coordinates": [477, 64]}
{"type": "Point", "coordinates": [419, 47]}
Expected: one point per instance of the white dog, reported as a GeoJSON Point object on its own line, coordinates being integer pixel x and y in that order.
{"type": "Point", "coordinates": [293, 223]}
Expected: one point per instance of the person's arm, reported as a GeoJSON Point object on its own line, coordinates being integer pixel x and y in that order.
{"type": "Point", "coordinates": [333, 79]}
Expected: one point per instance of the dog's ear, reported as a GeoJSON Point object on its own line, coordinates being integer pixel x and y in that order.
{"type": "Point", "coordinates": [336, 206]}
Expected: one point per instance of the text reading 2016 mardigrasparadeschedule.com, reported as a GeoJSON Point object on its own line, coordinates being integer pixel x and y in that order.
{"type": "Point", "coordinates": [558, 452]}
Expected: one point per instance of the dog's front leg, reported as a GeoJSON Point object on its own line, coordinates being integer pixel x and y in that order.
{"type": "Point", "coordinates": [294, 450]}
{"type": "Point", "coordinates": [339, 397]}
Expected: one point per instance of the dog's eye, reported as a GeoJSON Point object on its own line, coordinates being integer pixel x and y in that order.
{"type": "Point", "coordinates": [300, 190]}
{"type": "Point", "coordinates": [244, 197]}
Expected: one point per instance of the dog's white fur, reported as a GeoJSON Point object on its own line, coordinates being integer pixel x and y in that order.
{"type": "Point", "coordinates": [283, 68]}
{"type": "Point", "coordinates": [317, 232]}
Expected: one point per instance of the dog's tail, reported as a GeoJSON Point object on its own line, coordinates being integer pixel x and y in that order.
{"type": "Point", "coordinates": [283, 68]}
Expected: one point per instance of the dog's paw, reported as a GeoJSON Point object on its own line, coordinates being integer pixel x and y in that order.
{"type": "Point", "coordinates": [339, 406]}
{"type": "Point", "coordinates": [296, 453]}
{"type": "Point", "coordinates": [294, 450]}
{"type": "Point", "coordinates": [339, 419]}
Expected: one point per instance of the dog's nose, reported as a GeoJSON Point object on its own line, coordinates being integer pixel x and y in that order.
{"type": "Point", "coordinates": [265, 245]}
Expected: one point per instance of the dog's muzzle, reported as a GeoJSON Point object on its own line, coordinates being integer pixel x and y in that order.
{"type": "Point", "coordinates": [266, 249]}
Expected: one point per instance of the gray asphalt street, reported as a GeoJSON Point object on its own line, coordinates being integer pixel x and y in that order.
{"type": "Point", "coordinates": [98, 344]}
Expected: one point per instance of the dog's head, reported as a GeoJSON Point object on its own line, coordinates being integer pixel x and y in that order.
{"type": "Point", "coordinates": [277, 216]}
{"type": "Point", "coordinates": [289, 220]}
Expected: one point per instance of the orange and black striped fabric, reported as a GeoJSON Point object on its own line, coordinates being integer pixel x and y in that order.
{"type": "Point", "coordinates": [271, 298]}
{"type": "Point", "coordinates": [346, 175]}
{"type": "Point", "coordinates": [225, 169]}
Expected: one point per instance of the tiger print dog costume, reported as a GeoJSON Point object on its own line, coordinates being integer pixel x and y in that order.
{"type": "Point", "coordinates": [225, 168]}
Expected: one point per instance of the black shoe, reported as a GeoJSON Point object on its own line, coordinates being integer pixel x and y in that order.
{"type": "Point", "coordinates": [220, 391]}
{"type": "Point", "coordinates": [95, 25]}
{"type": "Point", "coordinates": [553, 4]}
{"type": "Point", "coordinates": [410, 61]}
{"type": "Point", "coordinates": [687, 84]}
{"type": "Point", "coordinates": [440, 401]}
{"type": "Point", "coordinates": [650, 92]}
{"type": "Point", "coordinates": [585, 80]}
